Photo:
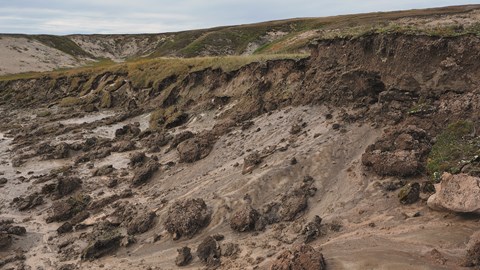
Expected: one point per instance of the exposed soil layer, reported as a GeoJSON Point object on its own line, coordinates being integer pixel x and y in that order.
{"type": "Point", "coordinates": [330, 150]}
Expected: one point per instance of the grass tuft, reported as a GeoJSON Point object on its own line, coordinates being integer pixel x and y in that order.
{"type": "Point", "coordinates": [453, 148]}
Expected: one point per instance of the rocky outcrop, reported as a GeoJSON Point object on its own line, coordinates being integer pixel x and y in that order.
{"type": "Point", "coordinates": [457, 193]}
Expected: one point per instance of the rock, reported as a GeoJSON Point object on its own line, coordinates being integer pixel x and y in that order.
{"type": "Point", "coordinates": [112, 183]}
{"type": "Point", "coordinates": [196, 148]}
{"type": "Point", "coordinates": [67, 185]}
{"type": "Point", "coordinates": [81, 216]}
{"type": "Point", "coordinates": [5, 240]}
{"type": "Point", "coordinates": [184, 256]}
{"type": "Point", "coordinates": [218, 236]}
{"type": "Point", "coordinates": [247, 124]}
{"type": "Point", "coordinates": [102, 246]}
{"type": "Point", "coordinates": [154, 142]}
{"type": "Point", "coordinates": [123, 146]}
{"type": "Point", "coordinates": [128, 241]}
{"type": "Point", "coordinates": [181, 137]}
{"type": "Point", "coordinates": [251, 161]}
{"type": "Point", "coordinates": [67, 267]}
{"type": "Point", "coordinates": [428, 187]}
{"type": "Point", "coordinates": [295, 129]}
{"type": "Point", "coordinates": [293, 161]}
{"type": "Point", "coordinates": [17, 230]}
{"type": "Point", "coordinates": [457, 193]}
{"type": "Point", "coordinates": [472, 257]}
{"type": "Point", "coordinates": [61, 150]}
{"type": "Point", "coordinates": [89, 108]}
{"type": "Point", "coordinates": [129, 130]}
{"type": "Point", "coordinates": [141, 224]}
{"type": "Point", "coordinates": [410, 193]}
{"type": "Point", "coordinates": [393, 185]}
{"type": "Point", "coordinates": [230, 249]}
{"type": "Point", "coordinates": [29, 202]}
{"type": "Point", "coordinates": [104, 170]}
{"type": "Point", "coordinates": [292, 204]}
{"type": "Point", "coordinates": [65, 210]}
{"type": "Point", "coordinates": [144, 173]}
{"type": "Point", "coordinates": [302, 257]}
{"type": "Point", "coordinates": [3, 181]}
{"type": "Point", "coordinates": [176, 120]}
{"type": "Point", "coordinates": [246, 219]}
{"type": "Point", "coordinates": [401, 152]}
{"type": "Point", "coordinates": [209, 252]}
{"type": "Point", "coordinates": [65, 228]}
{"type": "Point", "coordinates": [312, 230]}
{"type": "Point", "coordinates": [186, 218]}
{"type": "Point", "coordinates": [137, 159]}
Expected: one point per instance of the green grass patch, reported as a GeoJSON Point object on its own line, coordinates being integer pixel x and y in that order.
{"type": "Point", "coordinates": [453, 148]}
{"type": "Point", "coordinates": [63, 44]}
{"type": "Point", "coordinates": [44, 113]}
{"type": "Point", "coordinates": [70, 101]}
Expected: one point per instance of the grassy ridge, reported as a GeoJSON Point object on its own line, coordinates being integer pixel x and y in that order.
{"type": "Point", "coordinates": [152, 71]}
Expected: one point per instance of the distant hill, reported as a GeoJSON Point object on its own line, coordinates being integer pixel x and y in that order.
{"type": "Point", "coordinates": [27, 53]}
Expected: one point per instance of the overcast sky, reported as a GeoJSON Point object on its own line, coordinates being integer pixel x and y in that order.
{"type": "Point", "coordinates": [150, 16]}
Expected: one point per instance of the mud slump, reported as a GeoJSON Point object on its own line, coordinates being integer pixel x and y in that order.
{"type": "Point", "coordinates": [283, 174]}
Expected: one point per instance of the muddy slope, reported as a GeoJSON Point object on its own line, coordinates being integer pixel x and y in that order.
{"type": "Point", "coordinates": [241, 163]}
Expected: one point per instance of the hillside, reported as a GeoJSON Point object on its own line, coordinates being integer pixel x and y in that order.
{"type": "Point", "coordinates": [346, 148]}
{"type": "Point", "coordinates": [22, 53]}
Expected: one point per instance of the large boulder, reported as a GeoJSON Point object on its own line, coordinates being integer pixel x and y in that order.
{"type": "Point", "coordinates": [400, 152]}
{"type": "Point", "coordinates": [302, 257]}
{"type": "Point", "coordinates": [186, 218]}
{"type": "Point", "coordinates": [458, 193]}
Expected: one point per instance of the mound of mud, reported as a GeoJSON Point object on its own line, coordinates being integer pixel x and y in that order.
{"type": "Point", "coordinates": [185, 218]}
{"type": "Point", "coordinates": [302, 257]}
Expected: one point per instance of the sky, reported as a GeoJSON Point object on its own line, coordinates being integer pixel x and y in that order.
{"type": "Point", "coordinates": [149, 16]}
